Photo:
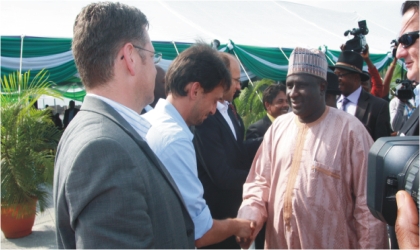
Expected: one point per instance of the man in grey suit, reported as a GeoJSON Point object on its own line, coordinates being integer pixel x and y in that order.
{"type": "Point", "coordinates": [110, 189]}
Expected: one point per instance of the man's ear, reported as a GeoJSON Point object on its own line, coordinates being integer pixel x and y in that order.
{"type": "Point", "coordinates": [266, 105]}
{"type": "Point", "coordinates": [126, 55]}
{"type": "Point", "coordinates": [323, 87]}
{"type": "Point", "coordinates": [193, 89]}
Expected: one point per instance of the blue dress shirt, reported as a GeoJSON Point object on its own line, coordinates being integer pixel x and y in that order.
{"type": "Point", "coordinates": [171, 140]}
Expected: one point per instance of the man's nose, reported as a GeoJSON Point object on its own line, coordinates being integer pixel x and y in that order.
{"type": "Point", "coordinates": [213, 109]}
{"type": "Point", "coordinates": [401, 51]}
{"type": "Point", "coordinates": [292, 92]}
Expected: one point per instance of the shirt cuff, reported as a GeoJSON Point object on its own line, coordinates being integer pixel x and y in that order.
{"type": "Point", "coordinates": [202, 223]}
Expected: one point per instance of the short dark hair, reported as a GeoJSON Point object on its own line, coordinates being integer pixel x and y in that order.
{"type": "Point", "coordinates": [99, 32]}
{"type": "Point", "coordinates": [271, 92]}
{"type": "Point", "coordinates": [407, 5]}
{"type": "Point", "coordinates": [199, 63]}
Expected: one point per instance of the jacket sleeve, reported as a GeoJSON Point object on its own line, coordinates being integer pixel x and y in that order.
{"type": "Point", "coordinates": [257, 186]}
{"type": "Point", "coordinates": [213, 151]}
{"type": "Point", "coordinates": [396, 109]}
{"type": "Point", "coordinates": [382, 126]}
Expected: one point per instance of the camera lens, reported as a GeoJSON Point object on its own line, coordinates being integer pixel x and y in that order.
{"type": "Point", "coordinates": [411, 178]}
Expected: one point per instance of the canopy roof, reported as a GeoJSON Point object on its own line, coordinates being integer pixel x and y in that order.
{"type": "Point", "coordinates": [257, 23]}
{"type": "Point", "coordinates": [261, 34]}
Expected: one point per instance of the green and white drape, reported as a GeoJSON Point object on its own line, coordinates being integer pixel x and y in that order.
{"type": "Point", "coordinates": [56, 56]}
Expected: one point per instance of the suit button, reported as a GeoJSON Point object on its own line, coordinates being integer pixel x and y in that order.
{"type": "Point", "coordinates": [190, 231]}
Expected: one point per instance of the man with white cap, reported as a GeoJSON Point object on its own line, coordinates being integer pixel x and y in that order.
{"type": "Point", "coordinates": [309, 181]}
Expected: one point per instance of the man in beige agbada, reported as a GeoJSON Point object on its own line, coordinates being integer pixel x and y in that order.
{"type": "Point", "coordinates": [308, 178]}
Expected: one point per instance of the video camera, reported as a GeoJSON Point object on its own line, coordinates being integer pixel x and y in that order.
{"type": "Point", "coordinates": [394, 47]}
{"type": "Point", "coordinates": [358, 42]}
{"type": "Point", "coordinates": [404, 89]}
{"type": "Point", "coordinates": [393, 164]}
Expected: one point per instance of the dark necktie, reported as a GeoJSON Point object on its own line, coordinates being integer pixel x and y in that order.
{"type": "Point", "coordinates": [344, 105]}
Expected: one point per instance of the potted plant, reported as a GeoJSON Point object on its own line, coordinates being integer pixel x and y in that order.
{"type": "Point", "coordinates": [28, 143]}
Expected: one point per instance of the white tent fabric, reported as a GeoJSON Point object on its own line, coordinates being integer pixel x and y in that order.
{"type": "Point", "coordinates": [256, 23]}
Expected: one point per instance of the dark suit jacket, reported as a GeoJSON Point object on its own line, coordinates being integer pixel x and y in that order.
{"type": "Point", "coordinates": [411, 126]}
{"type": "Point", "coordinates": [223, 166]}
{"type": "Point", "coordinates": [373, 112]}
{"type": "Point", "coordinates": [257, 131]}
{"type": "Point", "coordinates": [66, 120]}
{"type": "Point", "coordinates": [258, 128]}
{"type": "Point", "coordinates": [110, 189]}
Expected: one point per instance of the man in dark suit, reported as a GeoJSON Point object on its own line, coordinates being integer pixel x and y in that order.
{"type": "Point", "coordinates": [222, 159]}
{"type": "Point", "coordinates": [372, 111]}
{"type": "Point", "coordinates": [110, 189]}
{"type": "Point", "coordinates": [70, 113]}
{"type": "Point", "coordinates": [275, 102]}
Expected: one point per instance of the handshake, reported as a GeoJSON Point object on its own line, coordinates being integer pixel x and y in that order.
{"type": "Point", "coordinates": [246, 232]}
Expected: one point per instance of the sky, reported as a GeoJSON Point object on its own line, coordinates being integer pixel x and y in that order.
{"type": "Point", "coordinates": [55, 18]}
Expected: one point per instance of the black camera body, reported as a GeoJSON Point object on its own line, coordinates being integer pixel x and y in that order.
{"type": "Point", "coordinates": [393, 164]}
{"type": "Point", "coordinates": [358, 42]}
{"type": "Point", "coordinates": [394, 47]}
{"type": "Point", "coordinates": [404, 89]}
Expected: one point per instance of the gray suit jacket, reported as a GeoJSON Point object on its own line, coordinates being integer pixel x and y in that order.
{"type": "Point", "coordinates": [111, 191]}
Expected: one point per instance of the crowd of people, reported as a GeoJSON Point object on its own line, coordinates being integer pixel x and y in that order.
{"type": "Point", "coordinates": [157, 159]}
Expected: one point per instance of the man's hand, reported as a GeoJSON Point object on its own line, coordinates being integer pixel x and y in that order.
{"type": "Point", "coordinates": [244, 243]}
{"type": "Point", "coordinates": [406, 226]}
{"type": "Point", "coordinates": [245, 228]}
{"type": "Point", "coordinates": [365, 54]}
{"type": "Point", "coordinates": [245, 235]}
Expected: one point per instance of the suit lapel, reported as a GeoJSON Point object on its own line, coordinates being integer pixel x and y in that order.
{"type": "Point", "coordinates": [362, 105]}
{"type": "Point", "coordinates": [219, 117]}
{"type": "Point", "coordinates": [95, 105]}
{"type": "Point", "coordinates": [236, 123]}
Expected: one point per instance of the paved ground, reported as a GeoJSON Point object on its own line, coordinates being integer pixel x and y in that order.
{"type": "Point", "coordinates": [43, 233]}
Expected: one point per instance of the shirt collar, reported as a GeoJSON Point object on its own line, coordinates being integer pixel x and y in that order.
{"type": "Point", "coordinates": [223, 107]}
{"type": "Point", "coordinates": [353, 97]}
{"type": "Point", "coordinates": [271, 117]}
{"type": "Point", "coordinates": [139, 124]}
{"type": "Point", "coordinates": [163, 106]}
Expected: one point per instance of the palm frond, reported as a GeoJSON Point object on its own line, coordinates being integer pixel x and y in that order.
{"type": "Point", "coordinates": [249, 103]}
{"type": "Point", "coordinates": [28, 141]}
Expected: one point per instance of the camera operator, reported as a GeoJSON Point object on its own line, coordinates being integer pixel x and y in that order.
{"type": "Point", "coordinates": [406, 226]}
{"type": "Point", "coordinates": [374, 83]}
{"type": "Point", "coordinates": [400, 110]}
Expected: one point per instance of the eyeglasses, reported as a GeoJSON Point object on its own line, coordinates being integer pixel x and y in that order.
{"type": "Point", "coordinates": [341, 75]}
{"type": "Point", "coordinates": [156, 56]}
{"type": "Point", "coordinates": [237, 80]}
{"type": "Point", "coordinates": [408, 39]}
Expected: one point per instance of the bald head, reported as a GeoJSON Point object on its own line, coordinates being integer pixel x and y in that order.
{"type": "Point", "coordinates": [233, 65]}
{"type": "Point", "coordinates": [159, 85]}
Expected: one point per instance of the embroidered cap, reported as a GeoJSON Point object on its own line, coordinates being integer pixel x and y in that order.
{"type": "Point", "coordinates": [308, 61]}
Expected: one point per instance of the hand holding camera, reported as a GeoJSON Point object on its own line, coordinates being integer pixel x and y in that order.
{"type": "Point", "coordinates": [406, 226]}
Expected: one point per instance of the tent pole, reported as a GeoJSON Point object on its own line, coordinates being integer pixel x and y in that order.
{"type": "Point", "coordinates": [284, 54]}
{"type": "Point", "coordinates": [176, 49]}
{"type": "Point", "coordinates": [20, 63]}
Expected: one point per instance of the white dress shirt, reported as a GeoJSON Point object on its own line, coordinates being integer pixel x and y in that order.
{"type": "Point", "coordinates": [352, 104]}
{"type": "Point", "coordinates": [223, 109]}
{"type": "Point", "coordinates": [139, 124]}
